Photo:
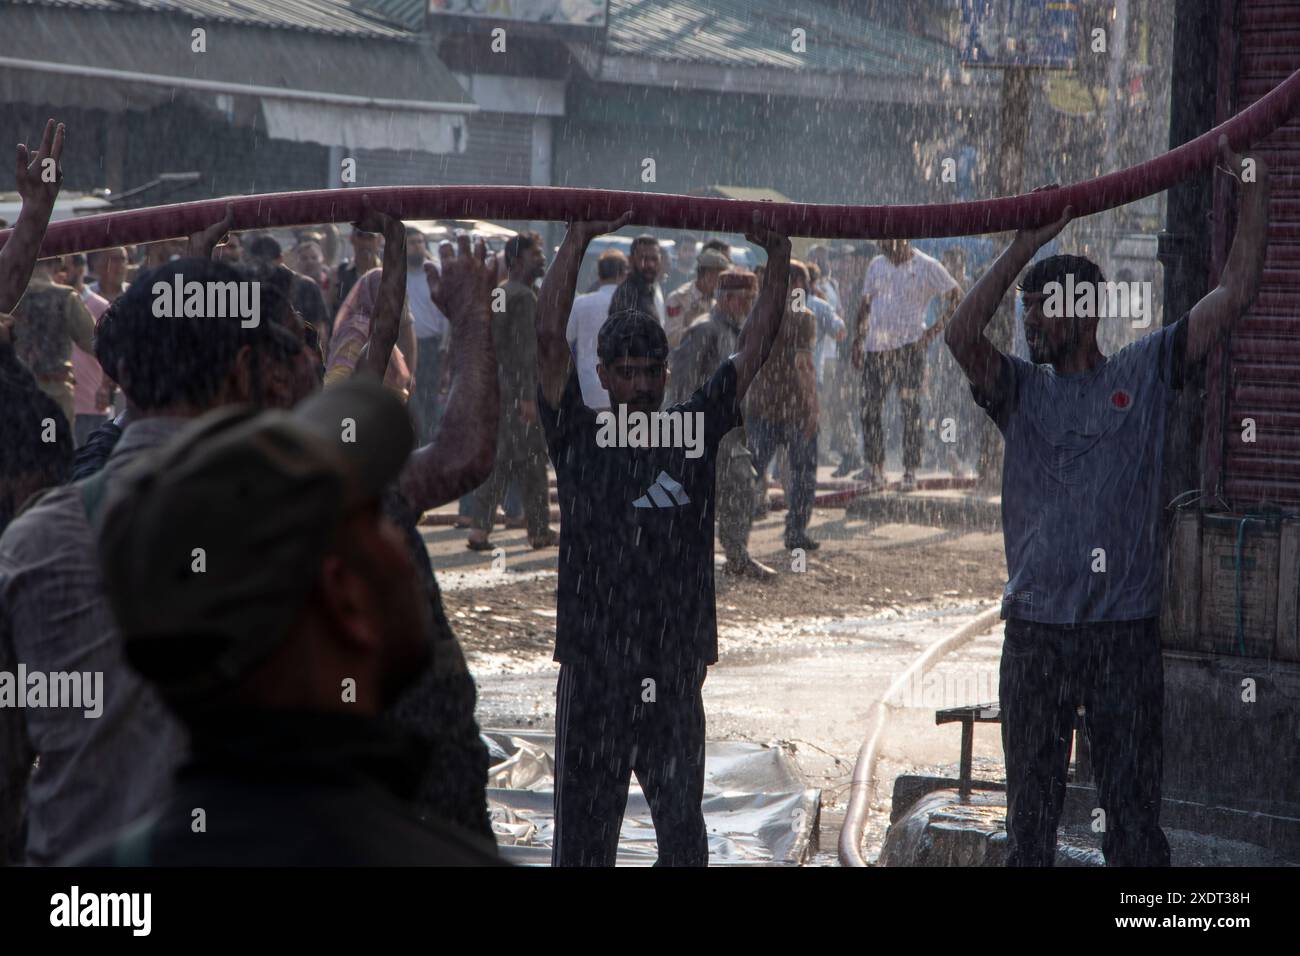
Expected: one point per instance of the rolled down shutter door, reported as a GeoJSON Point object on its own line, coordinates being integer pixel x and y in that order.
{"type": "Point", "coordinates": [1264, 377]}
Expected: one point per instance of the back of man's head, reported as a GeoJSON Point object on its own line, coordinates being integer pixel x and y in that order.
{"type": "Point", "coordinates": [35, 437]}
{"type": "Point", "coordinates": [183, 362]}
{"type": "Point", "coordinates": [265, 248]}
{"type": "Point", "coordinates": [611, 266]}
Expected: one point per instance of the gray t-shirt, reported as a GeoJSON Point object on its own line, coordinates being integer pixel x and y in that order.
{"type": "Point", "coordinates": [1081, 482]}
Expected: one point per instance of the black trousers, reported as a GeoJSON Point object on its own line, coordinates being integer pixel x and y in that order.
{"type": "Point", "coordinates": [1115, 672]}
{"type": "Point", "coordinates": [607, 727]}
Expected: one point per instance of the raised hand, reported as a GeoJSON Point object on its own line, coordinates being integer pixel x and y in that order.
{"type": "Point", "coordinates": [37, 187]}
{"type": "Point", "coordinates": [372, 220]}
{"type": "Point", "coordinates": [591, 228]}
{"type": "Point", "coordinates": [1036, 237]}
{"type": "Point", "coordinates": [465, 285]}
{"type": "Point", "coordinates": [203, 242]}
{"type": "Point", "coordinates": [1235, 164]}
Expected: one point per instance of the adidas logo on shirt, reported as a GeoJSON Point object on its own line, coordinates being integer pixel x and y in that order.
{"type": "Point", "coordinates": [666, 492]}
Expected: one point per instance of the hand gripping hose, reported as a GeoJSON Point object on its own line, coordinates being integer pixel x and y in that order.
{"type": "Point", "coordinates": [668, 210]}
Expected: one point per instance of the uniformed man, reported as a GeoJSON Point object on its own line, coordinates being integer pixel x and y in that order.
{"type": "Point", "coordinates": [695, 297]}
{"type": "Point", "coordinates": [708, 341]}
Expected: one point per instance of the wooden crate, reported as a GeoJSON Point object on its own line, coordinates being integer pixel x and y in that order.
{"type": "Point", "coordinates": [1256, 577]}
{"type": "Point", "coordinates": [1199, 612]}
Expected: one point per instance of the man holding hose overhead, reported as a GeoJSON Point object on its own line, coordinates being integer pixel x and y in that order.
{"type": "Point", "coordinates": [635, 625]}
{"type": "Point", "coordinates": [1082, 523]}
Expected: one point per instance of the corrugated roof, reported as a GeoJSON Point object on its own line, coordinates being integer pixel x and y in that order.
{"type": "Point", "coordinates": [759, 33]}
{"type": "Point", "coordinates": [329, 17]}
{"type": "Point", "coordinates": [63, 45]}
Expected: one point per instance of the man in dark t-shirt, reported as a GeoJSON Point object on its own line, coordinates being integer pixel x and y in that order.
{"type": "Point", "coordinates": [635, 625]}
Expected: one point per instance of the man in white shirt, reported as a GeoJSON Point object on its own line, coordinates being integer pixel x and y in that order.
{"type": "Point", "coordinates": [430, 335]}
{"type": "Point", "coordinates": [889, 345]}
{"type": "Point", "coordinates": [585, 319]}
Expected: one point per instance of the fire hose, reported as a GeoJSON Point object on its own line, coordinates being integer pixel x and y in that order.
{"type": "Point", "coordinates": [668, 210]}
{"type": "Point", "coordinates": [864, 771]}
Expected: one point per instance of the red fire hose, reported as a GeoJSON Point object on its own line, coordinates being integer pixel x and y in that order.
{"type": "Point", "coordinates": [682, 212]}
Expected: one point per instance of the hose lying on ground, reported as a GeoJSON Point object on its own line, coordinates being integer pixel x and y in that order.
{"type": "Point", "coordinates": [667, 210]}
{"type": "Point", "coordinates": [864, 771]}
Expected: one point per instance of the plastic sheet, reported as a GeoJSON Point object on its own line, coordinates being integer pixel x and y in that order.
{"type": "Point", "coordinates": [756, 807]}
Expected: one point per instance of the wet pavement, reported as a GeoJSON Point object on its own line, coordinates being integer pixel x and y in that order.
{"type": "Point", "coordinates": [809, 686]}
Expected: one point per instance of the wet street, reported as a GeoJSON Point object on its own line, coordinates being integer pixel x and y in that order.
{"type": "Point", "coordinates": [806, 684]}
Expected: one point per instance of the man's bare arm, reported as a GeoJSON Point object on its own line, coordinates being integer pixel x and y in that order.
{"type": "Point", "coordinates": [386, 322]}
{"type": "Point", "coordinates": [964, 333]}
{"type": "Point", "coordinates": [1216, 313]}
{"type": "Point", "coordinates": [462, 454]}
{"type": "Point", "coordinates": [764, 323]}
{"type": "Point", "coordinates": [204, 242]}
{"type": "Point", "coordinates": [38, 190]}
{"type": "Point", "coordinates": [555, 302]}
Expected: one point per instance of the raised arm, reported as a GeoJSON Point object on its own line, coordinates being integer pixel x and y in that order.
{"type": "Point", "coordinates": [386, 322]}
{"type": "Point", "coordinates": [38, 190]}
{"type": "Point", "coordinates": [764, 322]}
{"type": "Point", "coordinates": [462, 454]}
{"type": "Point", "coordinates": [964, 333]}
{"type": "Point", "coordinates": [555, 302]}
{"type": "Point", "coordinates": [1216, 313]}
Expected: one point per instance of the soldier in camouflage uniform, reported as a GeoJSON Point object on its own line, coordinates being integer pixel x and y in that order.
{"type": "Point", "coordinates": [708, 341]}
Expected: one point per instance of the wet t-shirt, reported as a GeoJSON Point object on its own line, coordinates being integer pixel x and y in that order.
{"type": "Point", "coordinates": [1081, 506]}
{"type": "Point", "coordinates": [636, 535]}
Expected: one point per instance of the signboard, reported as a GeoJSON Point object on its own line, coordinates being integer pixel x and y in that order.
{"type": "Point", "coordinates": [573, 13]}
{"type": "Point", "coordinates": [1024, 33]}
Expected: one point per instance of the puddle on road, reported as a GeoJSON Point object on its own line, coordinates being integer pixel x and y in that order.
{"type": "Point", "coordinates": [915, 625]}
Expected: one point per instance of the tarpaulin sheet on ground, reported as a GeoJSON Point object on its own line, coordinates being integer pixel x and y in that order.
{"type": "Point", "coordinates": [756, 807]}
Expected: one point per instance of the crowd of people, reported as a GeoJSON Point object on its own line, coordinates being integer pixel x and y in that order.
{"type": "Point", "coordinates": [221, 519]}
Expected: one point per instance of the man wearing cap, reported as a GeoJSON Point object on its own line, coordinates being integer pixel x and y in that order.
{"type": "Point", "coordinates": [278, 638]}
{"type": "Point", "coordinates": [695, 297]}
{"type": "Point", "coordinates": [707, 343]}
{"type": "Point", "coordinates": [97, 774]}
{"type": "Point", "coordinates": [635, 622]}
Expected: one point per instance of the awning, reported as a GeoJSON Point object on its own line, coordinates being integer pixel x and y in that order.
{"type": "Point", "coordinates": [333, 90]}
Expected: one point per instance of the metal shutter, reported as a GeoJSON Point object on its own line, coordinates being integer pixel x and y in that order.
{"type": "Point", "coordinates": [1263, 381]}
{"type": "Point", "coordinates": [498, 152]}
